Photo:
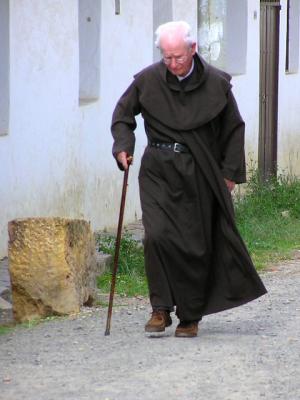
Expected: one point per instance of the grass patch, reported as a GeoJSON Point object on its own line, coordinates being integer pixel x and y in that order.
{"type": "Point", "coordinates": [268, 218]}
{"type": "Point", "coordinates": [130, 279]}
{"type": "Point", "coordinates": [131, 256]}
{"type": "Point", "coordinates": [132, 284]}
{"type": "Point", "coordinates": [5, 329]}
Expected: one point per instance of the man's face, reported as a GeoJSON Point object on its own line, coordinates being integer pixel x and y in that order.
{"type": "Point", "coordinates": [177, 55]}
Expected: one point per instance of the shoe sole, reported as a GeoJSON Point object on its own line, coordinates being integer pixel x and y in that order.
{"type": "Point", "coordinates": [184, 335]}
{"type": "Point", "coordinates": [158, 330]}
{"type": "Point", "coordinates": [157, 333]}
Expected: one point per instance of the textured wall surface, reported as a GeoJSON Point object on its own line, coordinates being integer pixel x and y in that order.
{"type": "Point", "coordinates": [52, 266]}
{"type": "Point", "coordinates": [56, 158]}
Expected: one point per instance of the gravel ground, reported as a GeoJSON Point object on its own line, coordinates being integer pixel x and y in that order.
{"type": "Point", "coordinates": [249, 353]}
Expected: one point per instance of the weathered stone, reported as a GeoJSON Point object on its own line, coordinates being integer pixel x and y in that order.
{"type": "Point", "coordinates": [52, 266]}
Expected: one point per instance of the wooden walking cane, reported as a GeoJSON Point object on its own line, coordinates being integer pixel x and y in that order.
{"type": "Point", "coordinates": [117, 248]}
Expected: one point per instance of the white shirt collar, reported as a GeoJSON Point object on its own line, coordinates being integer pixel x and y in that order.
{"type": "Point", "coordinates": [180, 78]}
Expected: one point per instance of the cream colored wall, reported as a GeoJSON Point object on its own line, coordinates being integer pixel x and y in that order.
{"type": "Point", "coordinates": [56, 159]}
{"type": "Point", "coordinates": [126, 48]}
{"type": "Point", "coordinates": [40, 173]}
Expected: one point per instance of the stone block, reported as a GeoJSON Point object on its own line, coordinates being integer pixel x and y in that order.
{"type": "Point", "coordinates": [52, 266]}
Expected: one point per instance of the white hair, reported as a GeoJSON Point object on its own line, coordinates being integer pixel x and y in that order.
{"type": "Point", "coordinates": [174, 27]}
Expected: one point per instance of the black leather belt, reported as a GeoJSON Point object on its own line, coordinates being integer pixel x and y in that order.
{"type": "Point", "coordinates": [176, 147]}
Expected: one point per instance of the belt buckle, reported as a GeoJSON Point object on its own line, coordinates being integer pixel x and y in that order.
{"type": "Point", "coordinates": [176, 147]}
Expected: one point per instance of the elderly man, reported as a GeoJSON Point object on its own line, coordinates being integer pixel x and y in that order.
{"type": "Point", "coordinates": [195, 259]}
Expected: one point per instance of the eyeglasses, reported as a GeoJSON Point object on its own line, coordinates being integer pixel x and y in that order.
{"type": "Point", "coordinates": [178, 60]}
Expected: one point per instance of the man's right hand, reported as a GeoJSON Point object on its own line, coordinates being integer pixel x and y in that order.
{"type": "Point", "coordinates": [122, 158]}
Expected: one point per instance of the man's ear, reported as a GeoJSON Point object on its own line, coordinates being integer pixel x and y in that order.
{"type": "Point", "coordinates": [194, 48]}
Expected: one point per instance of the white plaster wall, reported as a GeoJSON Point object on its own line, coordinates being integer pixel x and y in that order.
{"type": "Point", "coordinates": [4, 66]}
{"type": "Point", "coordinates": [246, 86]}
{"type": "Point", "coordinates": [126, 48]}
{"type": "Point", "coordinates": [186, 11]}
{"type": "Point", "coordinates": [162, 13]}
{"type": "Point", "coordinates": [40, 173]}
{"type": "Point", "coordinates": [56, 160]}
{"type": "Point", "coordinates": [246, 90]}
{"type": "Point", "coordinates": [288, 109]}
{"type": "Point", "coordinates": [57, 156]}
{"type": "Point", "coordinates": [89, 20]}
{"type": "Point", "coordinates": [212, 31]}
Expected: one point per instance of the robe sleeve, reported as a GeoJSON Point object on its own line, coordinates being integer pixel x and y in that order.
{"type": "Point", "coordinates": [124, 123]}
{"type": "Point", "coordinates": [232, 142]}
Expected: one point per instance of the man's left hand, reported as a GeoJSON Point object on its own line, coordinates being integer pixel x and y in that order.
{"type": "Point", "coordinates": [230, 185]}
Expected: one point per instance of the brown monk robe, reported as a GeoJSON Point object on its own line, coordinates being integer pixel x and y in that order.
{"type": "Point", "coordinates": [195, 258]}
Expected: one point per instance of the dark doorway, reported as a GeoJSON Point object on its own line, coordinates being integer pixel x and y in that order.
{"type": "Point", "coordinates": [268, 93]}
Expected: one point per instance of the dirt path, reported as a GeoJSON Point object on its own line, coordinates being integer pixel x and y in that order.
{"type": "Point", "coordinates": [248, 353]}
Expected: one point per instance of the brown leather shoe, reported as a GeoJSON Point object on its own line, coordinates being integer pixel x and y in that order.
{"type": "Point", "coordinates": [158, 322]}
{"type": "Point", "coordinates": [187, 329]}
